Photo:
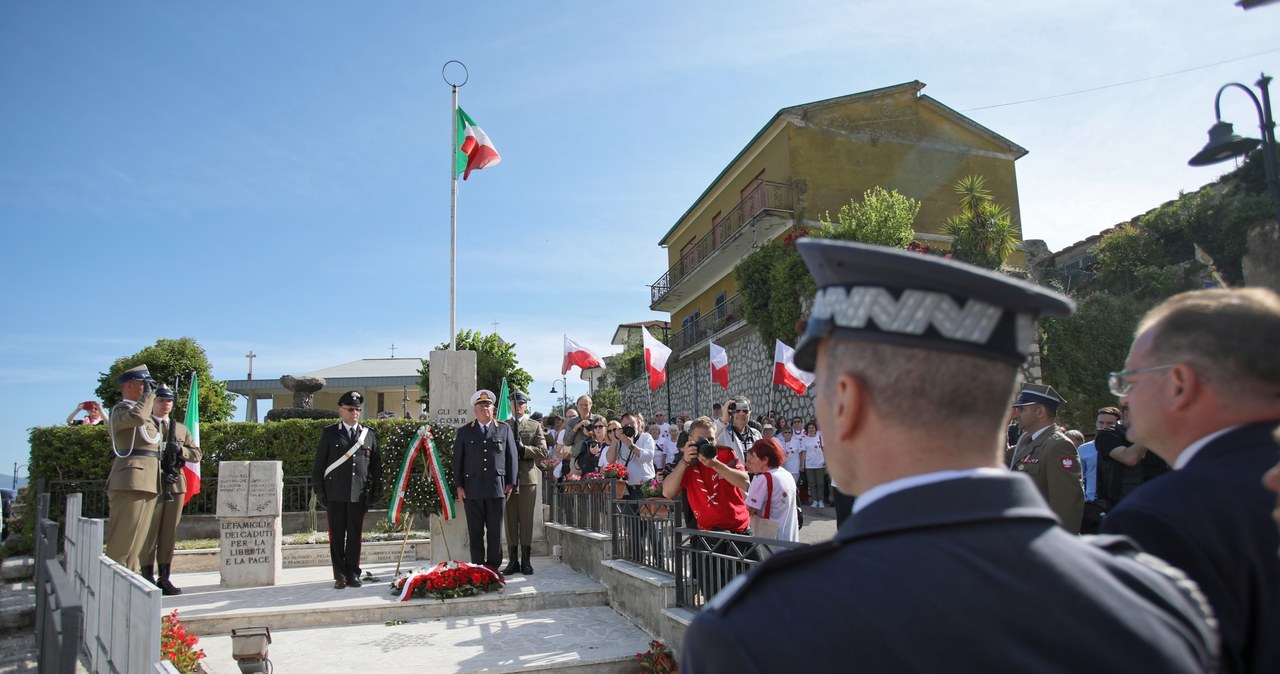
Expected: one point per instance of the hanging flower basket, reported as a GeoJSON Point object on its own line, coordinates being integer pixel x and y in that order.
{"type": "Point", "coordinates": [446, 580]}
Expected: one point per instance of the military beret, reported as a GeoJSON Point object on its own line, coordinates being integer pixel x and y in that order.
{"type": "Point", "coordinates": [351, 398]}
{"type": "Point", "coordinates": [165, 392]}
{"type": "Point", "coordinates": [484, 395]}
{"type": "Point", "coordinates": [519, 397]}
{"type": "Point", "coordinates": [1039, 394]}
{"type": "Point", "coordinates": [891, 296]}
{"type": "Point", "coordinates": [137, 373]}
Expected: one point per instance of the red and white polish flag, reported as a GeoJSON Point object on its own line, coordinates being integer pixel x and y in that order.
{"type": "Point", "coordinates": [577, 354]}
{"type": "Point", "coordinates": [655, 359]}
{"type": "Point", "coordinates": [786, 373]}
{"type": "Point", "coordinates": [719, 365]}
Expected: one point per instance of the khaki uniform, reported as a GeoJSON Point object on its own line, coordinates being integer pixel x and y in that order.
{"type": "Point", "coordinates": [531, 447]}
{"type": "Point", "coordinates": [163, 536]}
{"type": "Point", "coordinates": [133, 486]}
{"type": "Point", "coordinates": [1051, 461]}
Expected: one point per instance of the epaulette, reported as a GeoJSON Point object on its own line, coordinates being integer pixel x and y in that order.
{"type": "Point", "coordinates": [725, 598]}
{"type": "Point", "coordinates": [1123, 546]}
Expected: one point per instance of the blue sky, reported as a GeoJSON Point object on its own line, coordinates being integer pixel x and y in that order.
{"type": "Point", "coordinates": [273, 173]}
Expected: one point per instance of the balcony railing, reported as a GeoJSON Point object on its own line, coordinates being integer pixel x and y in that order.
{"type": "Point", "coordinates": [766, 197]}
{"type": "Point", "coordinates": [721, 317]}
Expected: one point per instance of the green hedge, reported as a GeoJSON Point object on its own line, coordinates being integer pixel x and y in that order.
{"type": "Point", "coordinates": [84, 453]}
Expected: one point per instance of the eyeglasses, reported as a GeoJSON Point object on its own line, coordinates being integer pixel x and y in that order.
{"type": "Point", "coordinates": [350, 409]}
{"type": "Point", "coordinates": [1120, 384]}
{"type": "Point", "coordinates": [596, 427]}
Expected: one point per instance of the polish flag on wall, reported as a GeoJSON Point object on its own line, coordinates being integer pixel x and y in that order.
{"type": "Point", "coordinates": [577, 354]}
{"type": "Point", "coordinates": [719, 365]}
{"type": "Point", "coordinates": [785, 371]}
{"type": "Point", "coordinates": [655, 359]}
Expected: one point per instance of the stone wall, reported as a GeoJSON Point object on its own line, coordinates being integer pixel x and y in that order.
{"type": "Point", "coordinates": [691, 389]}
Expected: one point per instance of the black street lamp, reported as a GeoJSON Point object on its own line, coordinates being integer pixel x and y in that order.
{"type": "Point", "coordinates": [564, 409]}
{"type": "Point", "coordinates": [1224, 144]}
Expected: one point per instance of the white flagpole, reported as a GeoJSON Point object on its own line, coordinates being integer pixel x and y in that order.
{"type": "Point", "coordinates": [453, 224]}
{"type": "Point", "coordinates": [453, 203]}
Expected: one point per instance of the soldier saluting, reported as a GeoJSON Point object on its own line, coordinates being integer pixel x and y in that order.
{"type": "Point", "coordinates": [133, 487]}
{"type": "Point", "coordinates": [347, 477]}
{"type": "Point", "coordinates": [179, 447]}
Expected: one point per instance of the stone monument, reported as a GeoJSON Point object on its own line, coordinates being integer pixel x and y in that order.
{"type": "Point", "coordinates": [453, 381]}
{"type": "Point", "coordinates": [249, 502]}
{"type": "Point", "coordinates": [304, 389]}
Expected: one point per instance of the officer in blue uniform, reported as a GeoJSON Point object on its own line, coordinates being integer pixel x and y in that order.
{"type": "Point", "coordinates": [484, 468]}
{"type": "Point", "coordinates": [347, 476]}
{"type": "Point", "coordinates": [950, 562]}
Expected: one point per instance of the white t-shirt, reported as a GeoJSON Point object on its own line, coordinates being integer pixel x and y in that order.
{"type": "Point", "coordinates": [791, 450]}
{"type": "Point", "coordinates": [783, 506]}
{"type": "Point", "coordinates": [813, 455]}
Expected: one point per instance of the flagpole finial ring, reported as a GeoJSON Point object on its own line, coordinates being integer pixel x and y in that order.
{"type": "Point", "coordinates": [466, 74]}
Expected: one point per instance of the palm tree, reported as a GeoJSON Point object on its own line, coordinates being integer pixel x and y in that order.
{"type": "Point", "coordinates": [982, 232]}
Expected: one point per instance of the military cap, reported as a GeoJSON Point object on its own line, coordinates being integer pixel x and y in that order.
{"type": "Point", "coordinates": [482, 396]}
{"type": "Point", "coordinates": [519, 397]}
{"type": "Point", "coordinates": [891, 296]}
{"type": "Point", "coordinates": [351, 398]}
{"type": "Point", "coordinates": [1039, 394]}
{"type": "Point", "coordinates": [165, 392]}
{"type": "Point", "coordinates": [137, 373]}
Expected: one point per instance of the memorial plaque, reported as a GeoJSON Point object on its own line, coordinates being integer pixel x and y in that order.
{"type": "Point", "coordinates": [266, 482]}
{"type": "Point", "coordinates": [452, 383]}
{"type": "Point", "coordinates": [249, 532]}
{"type": "Point", "coordinates": [233, 489]}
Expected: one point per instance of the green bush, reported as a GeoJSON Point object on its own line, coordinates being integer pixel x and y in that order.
{"type": "Point", "coordinates": [84, 453]}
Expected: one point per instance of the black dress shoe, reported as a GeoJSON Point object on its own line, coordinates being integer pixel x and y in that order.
{"type": "Point", "coordinates": [339, 583]}
{"type": "Point", "coordinates": [354, 581]}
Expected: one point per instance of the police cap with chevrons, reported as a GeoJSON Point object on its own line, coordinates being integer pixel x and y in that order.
{"type": "Point", "coordinates": [888, 295]}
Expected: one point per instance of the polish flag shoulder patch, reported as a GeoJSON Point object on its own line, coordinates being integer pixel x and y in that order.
{"type": "Point", "coordinates": [1068, 463]}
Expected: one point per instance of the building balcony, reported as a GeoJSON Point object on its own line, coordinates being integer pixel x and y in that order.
{"type": "Point", "coordinates": [700, 329]}
{"type": "Point", "coordinates": [761, 216]}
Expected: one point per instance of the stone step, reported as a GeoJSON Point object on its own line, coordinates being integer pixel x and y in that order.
{"type": "Point", "coordinates": [587, 640]}
{"type": "Point", "coordinates": [17, 606]}
{"type": "Point", "coordinates": [305, 598]}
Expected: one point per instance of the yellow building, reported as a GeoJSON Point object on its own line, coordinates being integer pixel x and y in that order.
{"type": "Point", "coordinates": [808, 161]}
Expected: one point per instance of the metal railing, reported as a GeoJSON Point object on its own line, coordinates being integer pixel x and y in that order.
{"type": "Point", "coordinates": [706, 561]}
{"type": "Point", "coordinates": [766, 197]}
{"type": "Point", "coordinates": [584, 503]}
{"type": "Point", "coordinates": [644, 531]}
{"type": "Point", "coordinates": [721, 317]}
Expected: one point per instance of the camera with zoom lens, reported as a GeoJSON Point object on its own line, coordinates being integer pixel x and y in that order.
{"type": "Point", "coordinates": [706, 448]}
{"type": "Point", "coordinates": [629, 430]}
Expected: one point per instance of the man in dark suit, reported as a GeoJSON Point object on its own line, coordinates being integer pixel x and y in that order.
{"type": "Point", "coordinates": [133, 487]}
{"type": "Point", "coordinates": [531, 447]}
{"type": "Point", "coordinates": [1046, 455]}
{"type": "Point", "coordinates": [347, 476]}
{"type": "Point", "coordinates": [1202, 383]}
{"type": "Point", "coordinates": [949, 563]}
{"type": "Point", "coordinates": [484, 468]}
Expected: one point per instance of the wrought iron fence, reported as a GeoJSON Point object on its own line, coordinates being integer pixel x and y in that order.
{"type": "Point", "coordinates": [729, 312]}
{"type": "Point", "coordinates": [706, 561]}
{"type": "Point", "coordinates": [584, 503]}
{"type": "Point", "coordinates": [295, 497]}
{"type": "Point", "coordinates": [644, 531]}
{"type": "Point", "coordinates": [767, 196]}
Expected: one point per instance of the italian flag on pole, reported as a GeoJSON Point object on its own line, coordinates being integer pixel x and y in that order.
{"type": "Point", "coordinates": [191, 470]}
{"type": "Point", "coordinates": [475, 150]}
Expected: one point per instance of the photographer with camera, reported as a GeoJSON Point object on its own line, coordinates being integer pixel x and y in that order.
{"type": "Point", "coordinates": [635, 448]}
{"type": "Point", "coordinates": [93, 414]}
{"type": "Point", "coordinates": [133, 487]}
{"type": "Point", "coordinates": [737, 432]}
{"type": "Point", "coordinates": [713, 481]}
{"type": "Point", "coordinates": [179, 447]}
{"type": "Point", "coordinates": [591, 449]}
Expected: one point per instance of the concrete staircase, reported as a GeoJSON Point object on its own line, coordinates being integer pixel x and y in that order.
{"type": "Point", "coordinates": [556, 619]}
